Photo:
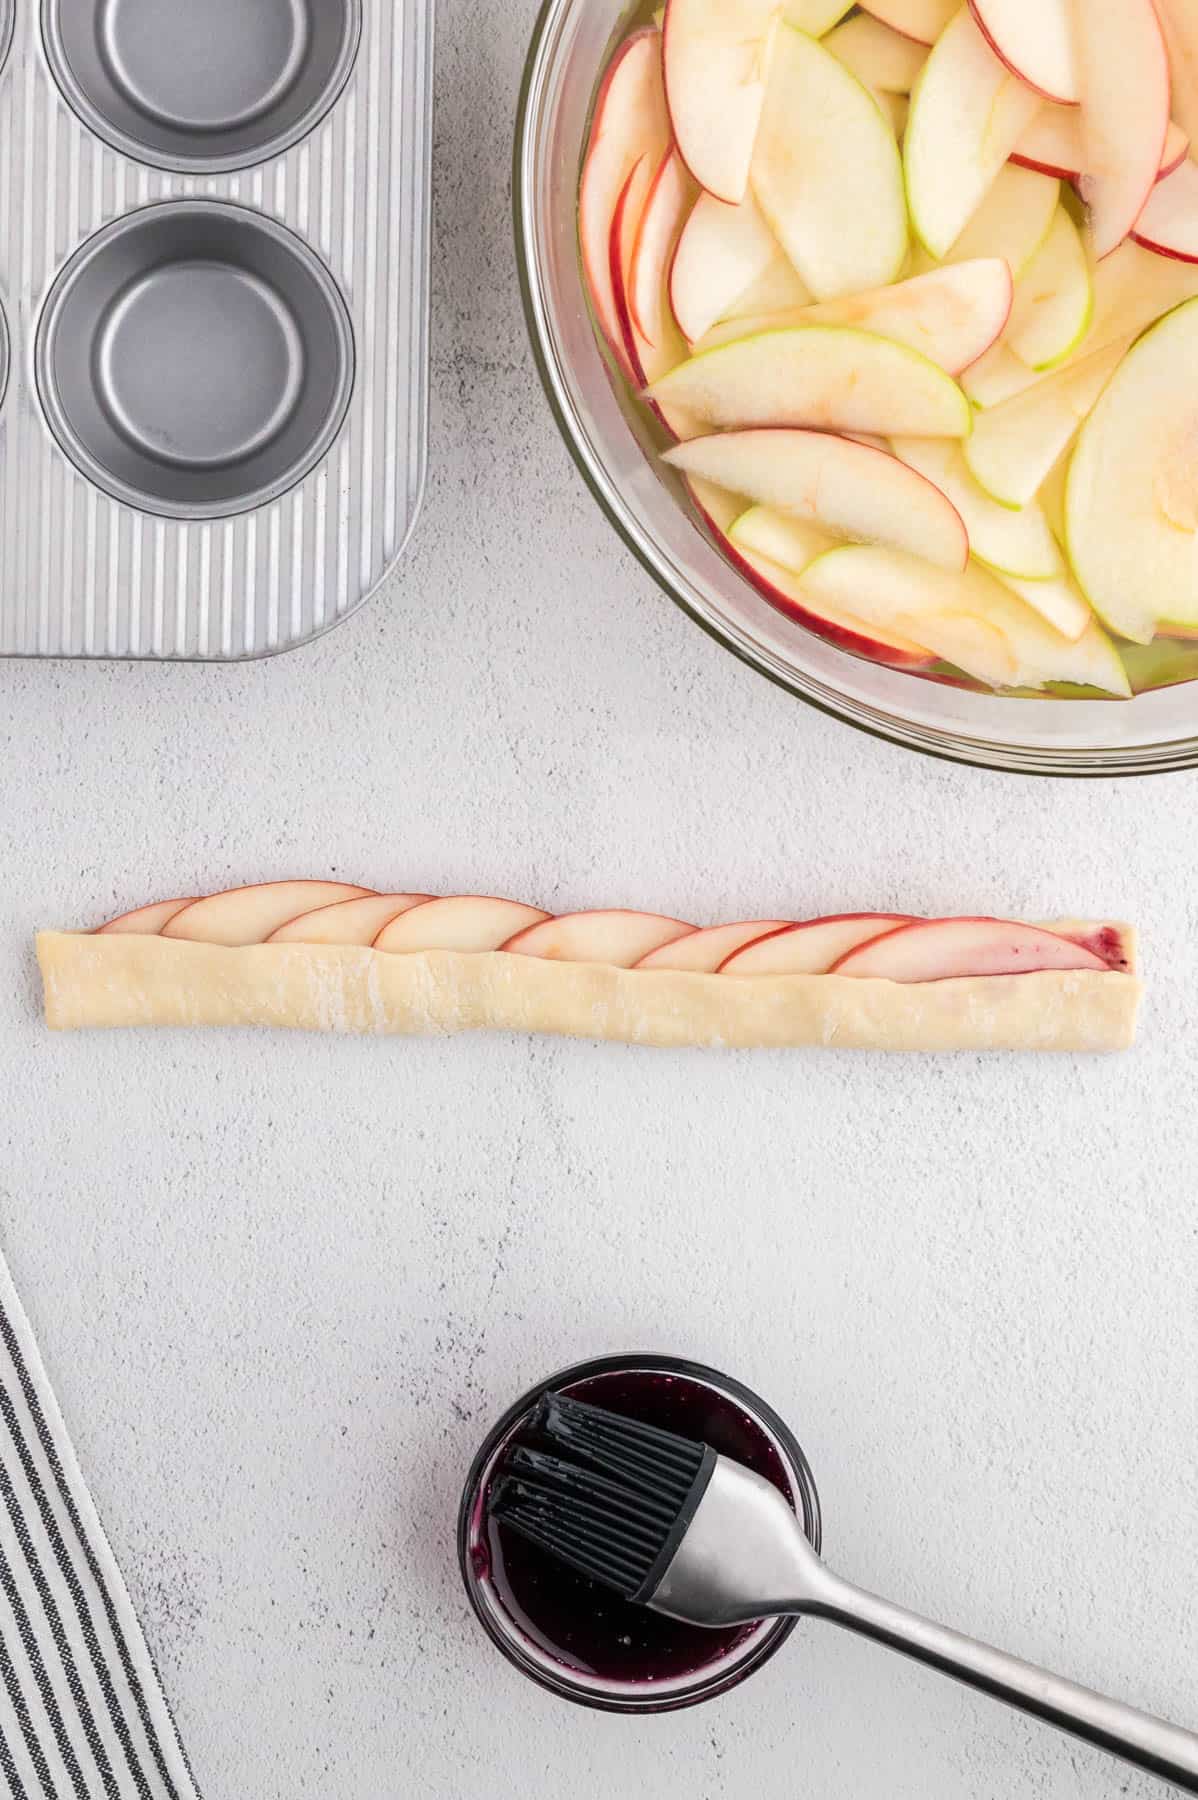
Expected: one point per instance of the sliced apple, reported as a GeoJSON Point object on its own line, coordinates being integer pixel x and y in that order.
{"type": "Point", "coordinates": [1132, 288]}
{"type": "Point", "coordinates": [1012, 221]}
{"type": "Point", "coordinates": [1018, 542]}
{"type": "Point", "coordinates": [1060, 602]}
{"type": "Point", "coordinates": [881, 58]}
{"type": "Point", "coordinates": [1123, 74]}
{"type": "Point", "coordinates": [469, 923]}
{"type": "Point", "coordinates": [1014, 446]}
{"type": "Point", "coordinates": [970, 620]}
{"type": "Point", "coordinates": [1180, 24]}
{"type": "Point", "coordinates": [716, 58]}
{"type": "Point", "coordinates": [843, 486]}
{"type": "Point", "coordinates": [827, 174]}
{"type": "Point", "coordinates": [948, 949]}
{"type": "Point", "coordinates": [967, 114]}
{"type": "Point", "coordinates": [832, 378]}
{"type": "Point", "coordinates": [248, 915]}
{"type": "Point", "coordinates": [776, 288]}
{"type": "Point", "coordinates": [669, 203]}
{"type": "Point", "coordinates": [147, 921]}
{"type": "Point", "coordinates": [922, 20]}
{"type": "Point", "coordinates": [815, 17]}
{"type": "Point", "coordinates": [718, 507]}
{"type": "Point", "coordinates": [1053, 144]}
{"type": "Point", "coordinates": [1034, 38]}
{"type": "Point", "coordinates": [997, 377]}
{"type": "Point", "coordinates": [630, 125]}
{"type": "Point", "coordinates": [721, 252]}
{"type": "Point", "coordinates": [1054, 298]}
{"type": "Point", "coordinates": [618, 939]}
{"type": "Point", "coordinates": [950, 315]}
{"type": "Point", "coordinates": [645, 361]}
{"type": "Point", "coordinates": [813, 946]}
{"type": "Point", "coordinates": [843, 630]}
{"type": "Point", "coordinates": [779, 536]}
{"type": "Point", "coordinates": [1169, 222]}
{"type": "Point", "coordinates": [347, 921]}
{"type": "Point", "coordinates": [702, 952]}
{"type": "Point", "coordinates": [1132, 496]}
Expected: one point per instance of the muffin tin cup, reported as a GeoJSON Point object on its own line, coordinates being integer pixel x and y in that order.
{"type": "Point", "coordinates": [203, 88]}
{"type": "Point", "coordinates": [195, 359]}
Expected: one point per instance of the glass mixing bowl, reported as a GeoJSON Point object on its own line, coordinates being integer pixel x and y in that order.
{"type": "Point", "coordinates": [614, 446]}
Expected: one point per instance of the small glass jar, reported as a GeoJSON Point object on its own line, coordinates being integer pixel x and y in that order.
{"type": "Point", "coordinates": [751, 1431]}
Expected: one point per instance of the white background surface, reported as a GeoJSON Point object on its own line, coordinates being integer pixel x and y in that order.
{"type": "Point", "coordinates": [283, 1286]}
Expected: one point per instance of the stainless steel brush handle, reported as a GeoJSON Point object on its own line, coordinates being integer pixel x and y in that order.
{"type": "Point", "coordinates": [743, 1556]}
{"type": "Point", "coordinates": [1139, 1738]}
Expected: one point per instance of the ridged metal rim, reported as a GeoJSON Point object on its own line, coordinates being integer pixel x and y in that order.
{"type": "Point", "coordinates": [95, 471]}
{"type": "Point", "coordinates": [1092, 762]}
{"type": "Point", "coordinates": [132, 147]}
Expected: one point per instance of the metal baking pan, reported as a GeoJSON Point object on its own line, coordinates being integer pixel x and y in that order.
{"type": "Point", "coordinates": [214, 243]}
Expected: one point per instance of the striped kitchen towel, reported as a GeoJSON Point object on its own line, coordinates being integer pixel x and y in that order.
{"type": "Point", "coordinates": [82, 1715]}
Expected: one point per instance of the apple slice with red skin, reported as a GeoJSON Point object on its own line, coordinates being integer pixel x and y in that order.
{"type": "Point", "coordinates": [646, 362]}
{"type": "Point", "coordinates": [248, 915]}
{"type": "Point", "coordinates": [617, 938]}
{"type": "Point", "coordinates": [351, 922]}
{"type": "Point", "coordinates": [147, 921]}
{"type": "Point", "coordinates": [715, 58]}
{"type": "Point", "coordinates": [813, 946]}
{"type": "Point", "coordinates": [669, 204]}
{"type": "Point", "coordinates": [948, 949]}
{"type": "Point", "coordinates": [469, 923]}
{"type": "Point", "coordinates": [722, 251]}
{"type": "Point", "coordinates": [845, 487]}
{"type": "Point", "coordinates": [630, 123]}
{"type": "Point", "coordinates": [1123, 70]}
{"type": "Point", "coordinates": [1168, 224]}
{"type": "Point", "coordinates": [922, 20]}
{"type": "Point", "coordinates": [783, 588]}
{"type": "Point", "coordinates": [705, 952]}
{"type": "Point", "coordinates": [1034, 38]}
{"type": "Point", "coordinates": [1053, 145]}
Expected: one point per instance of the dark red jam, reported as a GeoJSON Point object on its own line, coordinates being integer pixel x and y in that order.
{"type": "Point", "coordinates": [588, 1627]}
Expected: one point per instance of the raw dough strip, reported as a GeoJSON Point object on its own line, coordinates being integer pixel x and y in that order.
{"type": "Point", "coordinates": [106, 981]}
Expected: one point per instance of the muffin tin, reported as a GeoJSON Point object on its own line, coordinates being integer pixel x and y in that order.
{"type": "Point", "coordinates": [214, 220]}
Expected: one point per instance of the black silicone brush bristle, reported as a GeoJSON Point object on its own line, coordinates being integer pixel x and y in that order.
{"type": "Point", "coordinates": [618, 1508]}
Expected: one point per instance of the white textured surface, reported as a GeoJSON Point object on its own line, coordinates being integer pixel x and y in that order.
{"type": "Point", "coordinates": [284, 1284]}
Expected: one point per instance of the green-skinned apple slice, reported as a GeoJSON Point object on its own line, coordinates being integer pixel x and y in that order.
{"type": "Point", "coordinates": [777, 289]}
{"type": "Point", "coordinates": [1015, 446]}
{"type": "Point", "coordinates": [1060, 602]}
{"type": "Point", "coordinates": [921, 20]}
{"type": "Point", "coordinates": [716, 57]}
{"type": "Point", "coordinates": [779, 536]}
{"type": "Point", "coordinates": [969, 619]}
{"type": "Point", "coordinates": [630, 128]}
{"type": "Point", "coordinates": [815, 17]}
{"type": "Point", "coordinates": [830, 378]}
{"type": "Point", "coordinates": [812, 946]}
{"type": "Point", "coordinates": [881, 58]}
{"type": "Point", "coordinates": [968, 112]}
{"type": "Point", "coordinates": [702, 952]}
{"type": "Point", "coordinates": [618, 939]}
{"type": "Point", "coordinates": [947, 949]}
{"type": "Point", "coordinates": [1054, 298]}
{"type": "Point", "coordinates": [843, 630]}
{"type": "Point", "coordinates": [1053, 144]}
{"type": "Point", "coordinates": [996, 378]}
{"type": "Point", "coordinates": [146, 921]}
{"type": "Point", "coordinates": [1123, 73]}
{"type": "Point", "coordinates": [721, 252]}
{"type": "Point", "coordinates": [951, 315]}
{"type": "Point", "coordinates": [1034, 38]}
{"type": "Point", "coordinates": [669, 203]}
{"type": "Point", "coordinates": [249, 915]}
{"type": "Point", "coordinates": [468, 923]}
{"type": "Point", "coordinates": [349, 922]}
{"type": "Point", "coordinates": [845, 487]}
{"type": "Point", "coordinates": [827, 174]}
{"type": "Point", "coordinates": [1132, 495]}
{"type": "Point", "coordinates": [1017, 542]}
{"type": "Point", "coordinates": [1012, 221]}
{"type": "Point", "coordinates": [1169, 222]}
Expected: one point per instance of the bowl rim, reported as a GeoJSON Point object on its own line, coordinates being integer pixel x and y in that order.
{"type": "Point", "coordinates": [1076, 762]}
